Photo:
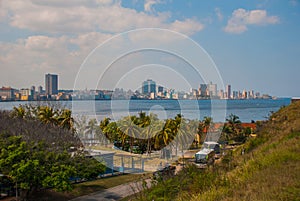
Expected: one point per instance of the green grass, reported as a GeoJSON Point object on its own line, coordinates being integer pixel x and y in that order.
{"type": "Point", "coordinates": [269, 169]}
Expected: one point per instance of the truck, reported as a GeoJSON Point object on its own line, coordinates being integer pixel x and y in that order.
{"type": "Point", "coordinates": [205, 156]}
{"type": "Point", "coordinates": [212, 146]}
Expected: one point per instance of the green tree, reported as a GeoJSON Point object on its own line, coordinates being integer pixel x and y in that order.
{"type": "Point", "coordinates": [149, 132]}
{"type": "Point", "coordinates": [32, 166]}
{"type": "Point", "coordinates": [47, 115]}
{"type": "Point", "coordinates": [233, 125]}
{"type": "Point", "coordinates": [103, 132]}
{"type": "Point", "coordinates": [18, 112]}
{"type": "Point", "coordinates": [127, 126]}
{"type": "Point", "coordinates": [65, 119]}
{"type": "Point", "coordinates": [91, 129]}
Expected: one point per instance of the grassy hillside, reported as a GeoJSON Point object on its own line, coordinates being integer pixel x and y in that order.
{"type": "Point", "coordinates": [269, 169]}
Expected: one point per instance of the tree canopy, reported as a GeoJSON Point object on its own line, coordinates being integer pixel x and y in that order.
{"type": "Point", "coordinates": [40, 149]}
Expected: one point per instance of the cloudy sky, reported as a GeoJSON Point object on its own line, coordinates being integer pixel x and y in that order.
{"type": "Point", "coordinates": [254, 43]}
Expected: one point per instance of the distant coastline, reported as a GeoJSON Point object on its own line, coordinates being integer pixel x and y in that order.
{"type": "Point", "coordinates": [246, 109]}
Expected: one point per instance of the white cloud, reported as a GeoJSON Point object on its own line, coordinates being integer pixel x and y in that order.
{"type": "Point", "coordinates": [189, 26]}
{"type": "Point", "coordinates": [83, 16]}
{"type": "Point", "coordinates": [25, 62]}
{"type": "Point", "coordinates": [148, 6]}
{"type": "Point", "coordinates": [65, 32]}
{"type": "Point", "coordinates": [219, 14]}
{"type": "Point", "coordinates": [241, 18]}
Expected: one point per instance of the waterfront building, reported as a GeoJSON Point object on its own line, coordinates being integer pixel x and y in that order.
{"type": "Point", "coordinates": [148, 87]}
{"type": "Point", "coordinates": [160, 89]}
{"type": "Point", "coordinates": [235, 94]}
{"type": "Point", "coordinates": [33, 88]}
{"type": "Point", "coordinates": [7, 93]}
{"type": "Point", "coordinates": [228, 91]}
{"type": "Point", "coordinates": [51, 84]}
{"type": "Point", "coordinates": [26, 94]}
{"type": "Point", "coordinates": [244, 94]}
{"type": "Point", "coordinates": [212, 88]}
{"type": "Point", "coordinates": [40, 89]}
{"type": "Point", "coordinates": [222, 94]}
{"type": "Point", "coordinates": [203, 90]}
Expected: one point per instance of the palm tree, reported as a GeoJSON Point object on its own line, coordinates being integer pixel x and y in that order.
{"type": "Point", "coordinates": [127, 126]}
{"type": "Point", "coordinates": [154, 126]}
{"type": "Point", "coordinates": [165, 136]}
{"type": "Point", "coordinates": [66, 120]}
{"type": "Point", "coordinates": [143, 120]}
{"type": "Point", "coordinates": [200, 132]}
{"type": "Point", "coordinates": [205, 126]}
{"type": "Point", "coordinates": [102, 129]}
{"type": "Point", "coordinates": [186, 134]}
{"type": "Point", "coordinates": [207, 121]}
{"type": "Point", "coordinates": [81, 126]}
{"type": "Point", "coordinates": [47, 115]}
{"type": "Point", "coordinates": [91, 129]}
{"type": "Point", "coordinates": [233, 124]}
{"type": "Point", "coordinates": [18, 112]}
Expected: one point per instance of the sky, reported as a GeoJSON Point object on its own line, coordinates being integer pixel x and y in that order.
{"type": "Point", "coordinates": [253, 44]}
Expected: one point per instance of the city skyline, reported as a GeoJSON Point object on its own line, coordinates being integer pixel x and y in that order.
{"type": "Point", "coordinates": [254, 44]}
{"type": "Point", "coordinates": [149, 90]}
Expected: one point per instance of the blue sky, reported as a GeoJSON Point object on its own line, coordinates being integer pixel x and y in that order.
{"type": "Point", "coordinates": [254, 44]}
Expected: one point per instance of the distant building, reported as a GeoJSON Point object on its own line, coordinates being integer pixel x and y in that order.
{"type": "Point", "coordinates": [212, 88]}
{"type": "Point", "coordinates": [40, 89]}
{"type": "Point", "coordinates": [228, 91]}
{"type": "Point", "coordinates": [7, 93]}
{"type": "Point", "coordinates": [295, 99]}
{"type": "Point", "coordinates": [33, 88]}
{"type": "Point", "coordinates": [148, 87]}
{"type": "Point", "coordinates": [203, 90]}
{"type": "Point", "coordinates": [160, 89]}
{"type": "Point", "coordinates": [26, 94]}
{"type": "Point", "coordinates": [244, 94]}
{"type": "Point", "coordinates": [51, 84]}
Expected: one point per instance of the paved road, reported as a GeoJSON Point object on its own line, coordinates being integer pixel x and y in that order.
{"type": "Point", "coordinates": [115, 193]}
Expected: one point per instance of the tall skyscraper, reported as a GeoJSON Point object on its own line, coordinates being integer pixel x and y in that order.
{"type": "Point", "coordinates": [203, 90]}
{"type": "Point", "coordinates": [149, 86]}
{"type": "Point", "coordinates": [51, 84]}
{"type": "Point", "coordinates": [228, 91]}
{"type": "Point", "coordinates": [212, 88]}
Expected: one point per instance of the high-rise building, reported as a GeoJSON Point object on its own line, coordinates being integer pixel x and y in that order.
{"type": "Point", "coordinates": [40, 89]}
{"type": "Point", "coordinates": [212, 88]}
{"type": "Point", "coordinates": [33, 88]}
{"type": "Point", "coordinates": [148, 87]}
{"type": "Point", "coordinates": [160, 89]}
{"type": "Point", "coordinates": [203, 90]}
{"type": "Point", "coordinates": [51, 84]}
{"type": "Point", "coordinates": [228, 91]}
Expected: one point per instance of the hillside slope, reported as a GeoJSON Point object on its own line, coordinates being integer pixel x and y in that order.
{"type": "Point", "coordinates": [270, 168]}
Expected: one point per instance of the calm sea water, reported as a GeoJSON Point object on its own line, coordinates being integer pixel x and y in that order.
{"type": "Point", "coordinates": [247, 110]}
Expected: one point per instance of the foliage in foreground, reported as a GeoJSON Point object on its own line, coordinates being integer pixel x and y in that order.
{"type": "Point", "coordinates": [269, 169]}
{"type": "Point", "coordinates": [36, 154]}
